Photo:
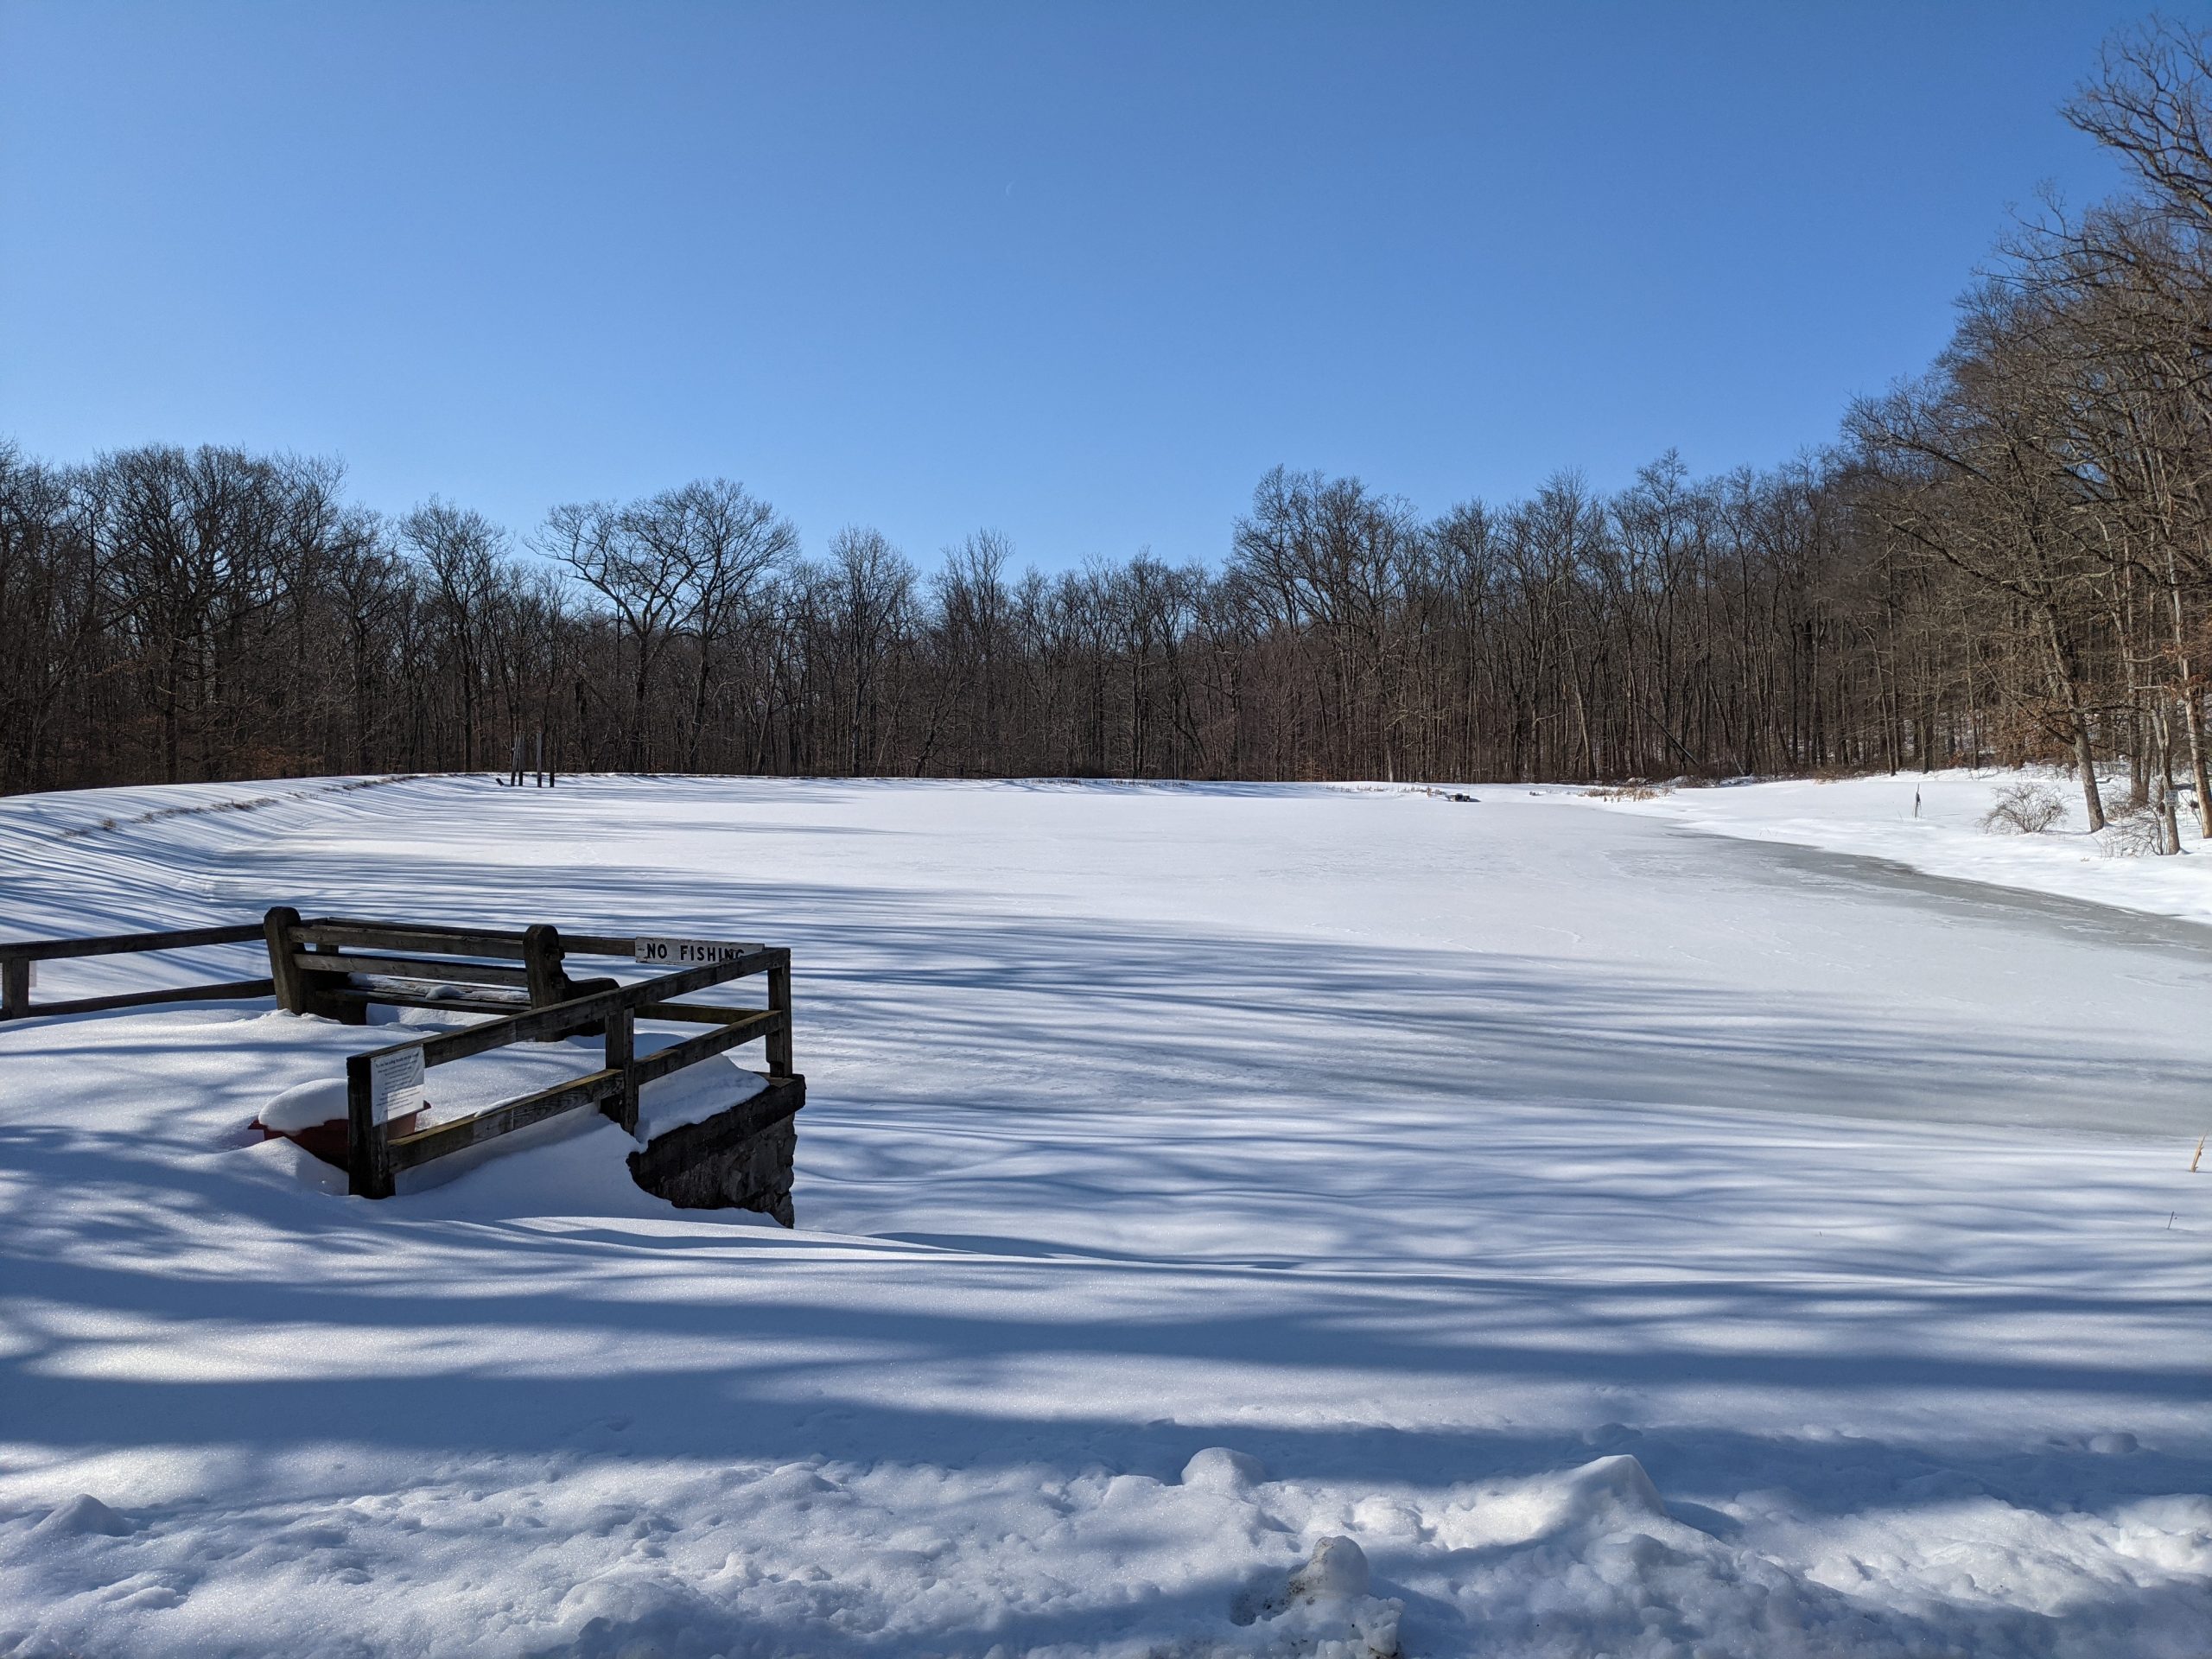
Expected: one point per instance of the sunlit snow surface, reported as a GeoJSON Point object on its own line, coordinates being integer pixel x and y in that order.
{"type": "Point", "coordinates": [1189, 1175]}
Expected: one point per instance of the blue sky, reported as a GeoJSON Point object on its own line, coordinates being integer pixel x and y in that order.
{"type": "Point", "coordinates": [1078, 273]}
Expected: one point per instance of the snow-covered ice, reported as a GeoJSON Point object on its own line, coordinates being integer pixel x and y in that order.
{"type": "Point", "coordinates": [1232, 1220]}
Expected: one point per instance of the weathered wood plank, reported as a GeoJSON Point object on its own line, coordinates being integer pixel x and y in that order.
{"type": "Point", "coordinates": [368, 1146]}
{"type": "Point", "coordinates": [444, 940]}
{"type": "Point", "coordinates": [563, 1017]}
{"type": "Point", "coordinates": [15, 988]}
{"type": "Point", "coordinates": [387, 934]}
{"type": "Point", "coordinates": [284, 971]}
{"type": "Point", "coordinates": [408, 1151]}
{"type": "Point", "coordinates": [621, 1034]}
{"type": "Point", "coordinates": [396, 999]}
{"type": "Point", "coordinates": [124, 944]}
{"type": "Point", "coordinates": [779, 1053]}
{"type": "Point", "coordinates": [694, 1013]}
{"type": "Point", "coordinates": [218, 991]}
{"type": "Point", "coordinates": [454, 973]}
{"type": "Point", "coordinates": [762, 1023]}
{"type": "Point", "coordinates": [541, 957]}
{"type": "Point", "coordinates": [447, 940]}
{"type": "Point", "coordinates": [324, 982]}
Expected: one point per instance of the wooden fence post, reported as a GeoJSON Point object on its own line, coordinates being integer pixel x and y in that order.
{"type": "Point", "coordinates": [15, 988]}
{"type": "Point", "coordinates": [368, 1150]}
{"type": "Point", "coordinates": [778, 1044]}
{"type": "Point", "coordinates": [291, 982]}
{"type": "Point", "coordinates": [621, 1030]}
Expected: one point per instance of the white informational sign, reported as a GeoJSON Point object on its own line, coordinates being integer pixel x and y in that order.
{"type": "Point", "coordinates": [395, 1085]}
{"type": "Point", "coordinates": [686, 953]}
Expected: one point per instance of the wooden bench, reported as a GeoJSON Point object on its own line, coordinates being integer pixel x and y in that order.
{"type": "Point", "coordinates": [337, 966]}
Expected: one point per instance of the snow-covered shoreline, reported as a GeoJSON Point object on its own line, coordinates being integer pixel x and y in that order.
{"type": "Point", "coordinates": [1632, 1248]}
{"type": "Point", "coordinates": [1930, 822]}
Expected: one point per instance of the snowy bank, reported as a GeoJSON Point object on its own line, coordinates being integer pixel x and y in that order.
{"type": "Point", "coordinates": [1931, 822]}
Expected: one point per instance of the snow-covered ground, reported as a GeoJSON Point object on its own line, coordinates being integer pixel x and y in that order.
{"type": "Point", "coordinates": [1635, 1241]}
{"type": "Point", "coordinates": [1932, 823]}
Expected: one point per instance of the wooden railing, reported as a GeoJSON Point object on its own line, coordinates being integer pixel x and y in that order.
{"type": "Point", "coordinates": [374, 1156]}
{"type": "Point", "coordinates": [314, 965]}
{"type": "Point", "coordinates": [17, 956]}
{"type": "Point", "coordinates": [339, 965]}
{"type": "Point", "coordinates": [307, 976]}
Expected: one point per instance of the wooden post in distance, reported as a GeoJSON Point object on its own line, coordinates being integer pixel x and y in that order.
{"type": "Point", "coordinates": [622, 1105]}
{"type": "Point", "coordinates": [778, 1043]}
{"type": "Point", "coordinates": [15, 988]}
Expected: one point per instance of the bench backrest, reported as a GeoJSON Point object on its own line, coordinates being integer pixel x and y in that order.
{"type": "Point", "coordinates": [336, 966]}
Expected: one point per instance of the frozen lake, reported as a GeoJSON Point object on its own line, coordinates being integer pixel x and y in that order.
{"type": "Point", "coordinates": [1425, 1153]}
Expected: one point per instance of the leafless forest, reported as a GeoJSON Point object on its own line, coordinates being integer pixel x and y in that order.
{"type": "Point", "coordinates": [2009, 558]}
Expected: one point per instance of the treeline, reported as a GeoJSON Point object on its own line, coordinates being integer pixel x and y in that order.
{"type": "Point", "coordinates": [2006, 560]}
{"type": "Point", "coordinates": [180, 614]}
{"type": "Point", "coordinates": [2052, 468]}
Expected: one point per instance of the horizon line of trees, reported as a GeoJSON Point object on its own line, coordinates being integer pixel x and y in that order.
{"type": "Point", "coordinates": [2008, 559]}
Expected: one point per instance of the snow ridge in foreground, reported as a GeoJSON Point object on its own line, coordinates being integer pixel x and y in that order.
{"type": "Point", "coordinates": [611, 1556]}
